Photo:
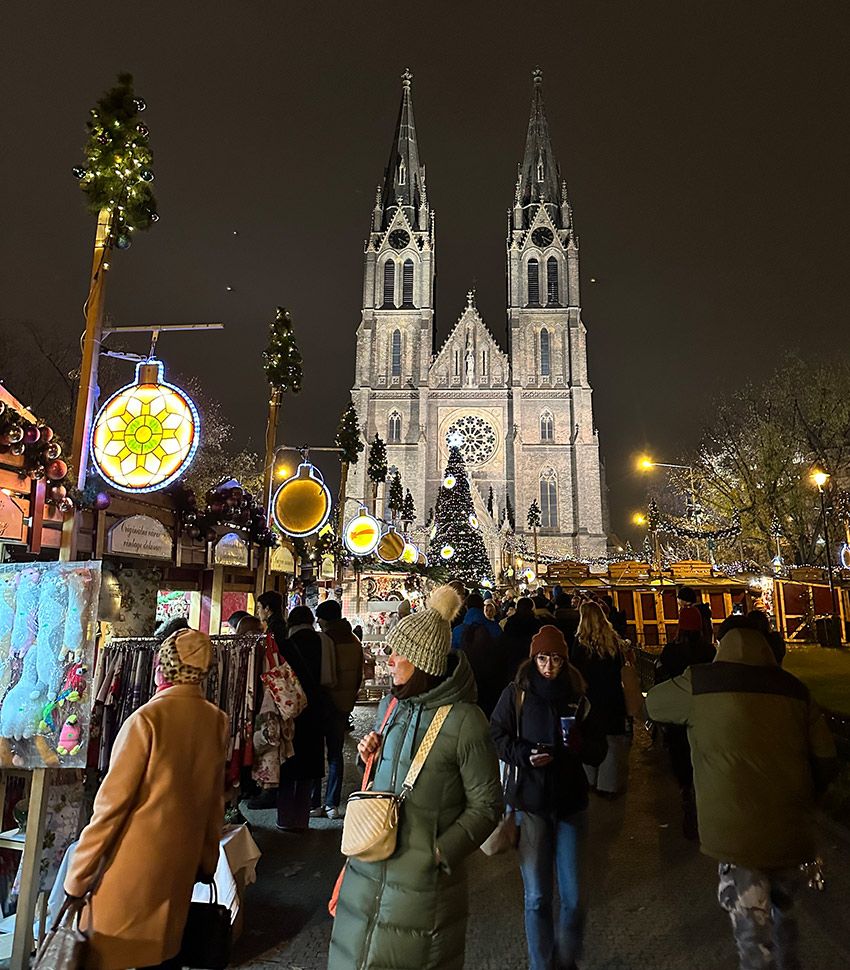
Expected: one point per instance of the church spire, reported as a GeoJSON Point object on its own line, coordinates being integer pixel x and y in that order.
{"type": "Point", "coordinates": [404, 178]}
{"type": "Point", "coordinates": [539, 176]}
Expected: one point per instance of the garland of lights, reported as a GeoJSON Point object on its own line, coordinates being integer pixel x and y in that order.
{"type": "Point", "coordinates": [705, 535]}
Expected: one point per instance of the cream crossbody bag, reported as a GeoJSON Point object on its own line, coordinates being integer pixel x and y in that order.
{"type": "Point", "coordinates": [370, 827]}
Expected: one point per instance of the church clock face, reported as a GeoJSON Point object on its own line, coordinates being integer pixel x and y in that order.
{"type": "Point", "coordinates": [542, 237]}
{"type": "Point", "coordinates": [475, 437]}
{"type": "Point", "coordinates": [399, 238]}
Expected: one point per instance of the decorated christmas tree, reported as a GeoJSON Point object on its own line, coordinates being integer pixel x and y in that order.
{"type": "Point", "coordinates": [490, 500]}
{"type": "Point", "coordinates": [456, 539]}
{"type": "Point", "coordinates": [408, 510]}
{"type": "Point", "coordinates": [395, 499]}
{"type": "Point", "coordinates": [350, 443]}
{"type": "Point", "coordinates": [282, 358]}
{"type": "Point", "coordinates": [377, 467]}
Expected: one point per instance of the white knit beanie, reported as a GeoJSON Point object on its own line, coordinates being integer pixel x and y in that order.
{"type": "Point", "coordinates": [425, 638]}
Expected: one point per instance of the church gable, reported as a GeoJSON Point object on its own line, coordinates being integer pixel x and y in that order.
{"type": "Point", "coordinates": [470, 357]}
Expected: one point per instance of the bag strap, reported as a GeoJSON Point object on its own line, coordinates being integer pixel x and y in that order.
{"type": "Point", "coordinates": [371, 759]}
{"type": "Point", "coordinates": [421, 755]}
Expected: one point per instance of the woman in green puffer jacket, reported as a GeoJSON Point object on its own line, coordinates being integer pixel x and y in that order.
{"type": "Point", "coordinates": [409, 912]}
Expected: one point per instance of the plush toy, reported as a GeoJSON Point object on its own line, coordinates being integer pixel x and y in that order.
{"type": "Point", "coordinates": [78, 583]}
{"type": "Point", "coordinates": [8, 591]}
{"type": "Point", "coordinates": [69, 737]}
{"type": "Point", "coordinates": [72, 690]}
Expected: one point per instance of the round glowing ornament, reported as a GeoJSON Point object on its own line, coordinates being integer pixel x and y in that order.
{"type": "Point", "coordinates": [473, 520]}
{"type": "Point", "coordinates": [447, 551]}
{"type": "Point", "coordinates": [362, 533]}
{"type": "Point", "coordinates": [449, 481]}
{"type": "Point", "coordinates": [302, 504]}
{"type": "Point", "coordinates": [410, 554]}
{"type": "Point", "coordinates": [146, 435]}
{"type": "Point", "coordinates": [390, 546]}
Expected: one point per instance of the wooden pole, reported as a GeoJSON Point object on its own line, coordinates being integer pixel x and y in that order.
{"type": "Point", "coordinates": [268, 479]}
{"type": "Point", "coordinates": [536, 563]}
{"type": "Point", "coordinates": [87, 390]}
{"type": "Point", "coordinates": [340, 524]}
{"type": "Point", "coordinates": [30, 870]}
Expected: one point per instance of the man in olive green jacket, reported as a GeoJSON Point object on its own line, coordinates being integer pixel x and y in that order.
{"type": "Point", "coordinates": [761, 751]}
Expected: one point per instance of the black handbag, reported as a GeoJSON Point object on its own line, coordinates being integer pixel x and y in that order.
{"type": "Point", "coordinates": [208, 935]}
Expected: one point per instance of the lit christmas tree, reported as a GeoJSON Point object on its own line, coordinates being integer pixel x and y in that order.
{"type": "Point", "coordinates": [282, 358]}
{"type": "Point", "coordinates": [117, 175]}
{"type": "Point", "coordinates": [350, 443]}
{"type": "Point", "coordinates": [456, 539]}
{"type": "Point", "coordinates": [408, 510]}
{"type": "Point", "coordinates": [534, 520]}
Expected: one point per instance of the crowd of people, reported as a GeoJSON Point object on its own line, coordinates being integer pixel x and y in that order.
{"type": "Point", "coordinates": [505, 715]}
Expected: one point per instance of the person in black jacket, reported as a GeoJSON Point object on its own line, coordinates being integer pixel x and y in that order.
{"type": "Point", "coordinates": [517, 631]}
{"type": "Point", "coordinates": [546, 784]}
{"type": "Point", "coordinates": [302, 650]}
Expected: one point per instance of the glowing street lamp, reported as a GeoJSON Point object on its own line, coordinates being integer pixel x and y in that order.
{"type": "Point", "coordinates": [646, 464]}
{"type": "Point", "coordinates": [820, 478]}
{"type": "Point", "coordinates": [639, 519]}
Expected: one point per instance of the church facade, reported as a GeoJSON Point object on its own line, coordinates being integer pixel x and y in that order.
{"type": "Point", "coordinates": [521, 413]}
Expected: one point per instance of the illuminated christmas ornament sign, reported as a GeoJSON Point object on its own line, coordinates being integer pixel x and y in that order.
{"type": "Point", "coordinates": [146, 435]}
{"type": "Point", "coordinates": [449, 481]}
{"type": "Point", "coordinates": [410, 554]}
{"type": "Point", "coordinates": [390, 546]}
{"type": "Point", "coordinates": [302, 504]}
{"type": "Point", "coordinates": [447, 551]}
{"type": "Point", "coordinates": [362, 533]}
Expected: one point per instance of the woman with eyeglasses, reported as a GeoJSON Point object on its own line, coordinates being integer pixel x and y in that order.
{"type": "Point", "coordinates": [541, 731]}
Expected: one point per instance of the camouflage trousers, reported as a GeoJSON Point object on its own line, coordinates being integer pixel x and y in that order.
{"type": "Point", "coordinates": [761, 907]}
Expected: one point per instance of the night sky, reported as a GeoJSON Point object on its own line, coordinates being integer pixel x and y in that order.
{"type": "Point", "coordinates": [704, 145]}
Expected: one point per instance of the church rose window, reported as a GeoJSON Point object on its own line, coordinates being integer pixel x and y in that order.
{"type": "Point", "coordinates": [475, 437]}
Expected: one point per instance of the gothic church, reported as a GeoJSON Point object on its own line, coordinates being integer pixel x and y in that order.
{"type": "Point", "coordinates": [521, 415]}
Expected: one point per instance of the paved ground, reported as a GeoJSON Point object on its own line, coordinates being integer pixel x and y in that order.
{"type": "Point", "coordinates": [652, 904]}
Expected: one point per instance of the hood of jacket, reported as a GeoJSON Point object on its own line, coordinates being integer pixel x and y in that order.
{"type": "Point", "coordinates": [339, 631]}
{"type": "Point", "coordinates": [474, 616]}
{"type": "Point", "coordinates": [458, 687]}
{"type": "Point", "coordinates": [522, 624]}
{"type": "Point", "coordinates": [742, 646]}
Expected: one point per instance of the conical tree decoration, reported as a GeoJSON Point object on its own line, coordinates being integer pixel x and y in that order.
{"type": "Point", "coordinates": [282, 358]}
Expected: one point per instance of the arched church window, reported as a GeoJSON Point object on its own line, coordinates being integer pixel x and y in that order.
{"type": "Point", "coordinates": [552, 296]}
{"type": "Point", "coordinates": [394, 428]}
{"type": "Point", "coordinates": [457, 363]}
{"type": "Point", "coordinates": [402, 172]}
{"type": "Point", "coordinates": [396, 354]}
{"type": "Point", "coordinates": [407, 283]}
{"type": "Point", "coordinates": [547, 426]}
{"type": "Point", "coordinates": [540, 173]}
{"type": "Point", "coordinates": [533, 283]}
{"type": "Point", "coordinates": [484, 362]}
{"type": "Point", "coordinates": [545, 355]}
{"type": "Point", "coordinates": [389, 283]}
{"type": "Point", "coordinates": [548, 499]}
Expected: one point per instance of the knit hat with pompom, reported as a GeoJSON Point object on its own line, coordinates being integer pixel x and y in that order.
{"type": "Point", "coordinates": [425, 638]}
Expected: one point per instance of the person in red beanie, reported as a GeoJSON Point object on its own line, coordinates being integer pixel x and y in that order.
{"type": "Point", "coordinates": [543, 735]}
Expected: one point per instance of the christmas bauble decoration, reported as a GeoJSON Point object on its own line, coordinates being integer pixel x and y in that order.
{"type": "Point", "coordinates": [15, 434]}
{"type": "Point", "coordinates": [102, 501]}
{"type": "Point", "coordinates": [79, 172]}
{"type": "Point", "coordinates": [473, 520]}
{"type": "Point", "coordinates": [146, 175]}
{"type": "Point", "coordinates": [46, 433]}
{"type": "Point", "coordinates": [146, 435]}
{"type": "Point", "coordinates": [390, 546]}
{"type": "Point", "coordinates": [66, 505]}
{"type": "Point", "coordinates": [57, 470]}
{"type": "Point", "coordinates": [302, 504]}
{"type": "Point", "coordinates": [142, 130]}
{"type": "Point", "coordinates": [103, 138]}
{"type": "Point", "coordinates": [123, 241]}
{"type": "Point", "coordinates": [447, 551]}
{"type": "Point", "coordinates": [58, 492]}
{"type": "Point", "coordinates": [410, 554]}
{"type": "Point", "coordinates": [52, 451]}
{"type": "Point", "coordinates": [18, 448]}
{"type": "Point", "coordinates": [31, 435]}
{"type": "Point", "coordinates": [449, 481]}
{"type": "Point", "coordinates": [362, 533]}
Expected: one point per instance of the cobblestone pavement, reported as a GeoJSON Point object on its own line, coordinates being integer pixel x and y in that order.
{"type": "Point", "coordinates": [652, 902]}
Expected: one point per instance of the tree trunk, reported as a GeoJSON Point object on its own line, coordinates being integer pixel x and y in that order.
{"type": "Point", "coordinates": [536, 563]}
{"type": "Point", "coordinates": [340, 525]}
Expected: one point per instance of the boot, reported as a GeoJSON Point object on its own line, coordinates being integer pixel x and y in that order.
{"type": "Point", "coordinates": [266, 799]}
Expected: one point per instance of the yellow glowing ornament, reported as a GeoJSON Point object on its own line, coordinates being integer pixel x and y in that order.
{"type": "Point", "coordinates": [449, 481]}
{"type": "Point", "coordinates": [362, 533]}
{"type": "Point", "coordinates": [146, 435]}
{"type": "Point", "coordinates": [410, 554]}
{"type": "Point", "coordinates": [390, 546]}
{"type": "Point", "coordinates": [302, 504]}
{"type": "Point", "coordinates": [473, 520]}
{"type": "Point", "coordinates": [447, 551]}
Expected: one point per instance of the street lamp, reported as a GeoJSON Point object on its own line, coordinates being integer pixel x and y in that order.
{"type": "Point", "coordinates": [646, 464]}
{"type": "Point", "coordinates": [820, 478]}
{"type": "Point", "coordinates": [639, 519]}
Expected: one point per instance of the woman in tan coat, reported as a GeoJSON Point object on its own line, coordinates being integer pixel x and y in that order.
{"type": "Point", "coordinates": [157, 818]}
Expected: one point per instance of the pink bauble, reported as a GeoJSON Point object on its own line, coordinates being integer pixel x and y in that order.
{"type": "Point", "coordinates": [46, 433]}
{"type": "Point", "coordinates": [58, 492]}
{"type": "Point", "coordinates": [102, 501]}
{"type": "Point", "coordinates": [31, 435]}
{"type": "Point", "coordinates": [57, 470]}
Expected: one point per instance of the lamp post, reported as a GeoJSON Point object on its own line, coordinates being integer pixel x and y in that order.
{"type": "Point", "coordinates": [820, 478]}
{"type": "Point", "coordinates": [647, 464]}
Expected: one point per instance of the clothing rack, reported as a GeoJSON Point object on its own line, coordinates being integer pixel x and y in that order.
{"type": "Point", "coordinates": [124, 680]}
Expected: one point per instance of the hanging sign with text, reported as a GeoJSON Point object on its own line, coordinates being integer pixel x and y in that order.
{"type": "Point", "coordinates": [142, 537]}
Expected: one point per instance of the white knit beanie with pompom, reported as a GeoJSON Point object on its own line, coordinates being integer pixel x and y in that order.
{"type": "Point", "coordinates": [425, 638]}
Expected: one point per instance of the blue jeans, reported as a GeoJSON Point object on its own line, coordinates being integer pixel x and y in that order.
{"type": "Point", "coordinates": [549, 846]}
{"type": "Point", "coordinates": [334, 727]}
